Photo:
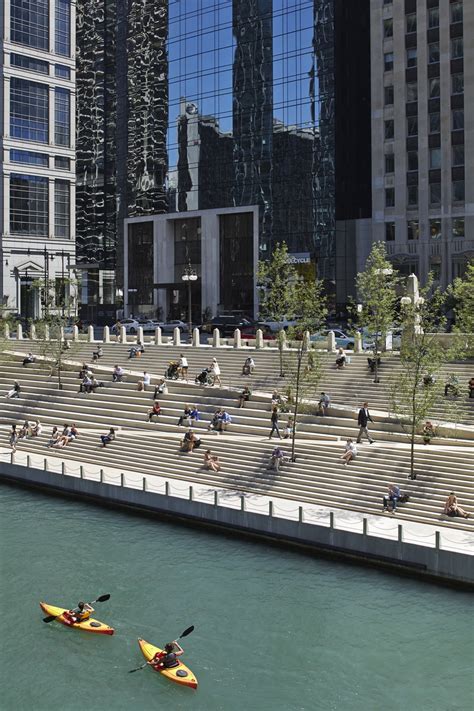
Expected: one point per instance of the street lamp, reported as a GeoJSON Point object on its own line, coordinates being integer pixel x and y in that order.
{"type": "Point", "coordinates": [189, 275]}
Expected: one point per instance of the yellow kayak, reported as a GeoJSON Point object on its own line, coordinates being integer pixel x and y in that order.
{"type": "Point", "coordinates": [89, 625]}
{"type": "Point", "coordinates": [180, 674]}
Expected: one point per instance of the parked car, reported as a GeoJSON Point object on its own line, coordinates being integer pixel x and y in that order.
{"type": "Point", "coordinates": [131, 326]}
{"type": "Point", "coordinates": [342, 340]}
{"type": "Point", "coordinates": [169, 326]}
{"type": "Point", "coordinates": [227, 324]}
{"type": "Point", "coordinates": [276, 326]}
{"type": "Point", "coordinates": [250, 331]}
{"type": "Point", "coordinates": [369, 339]}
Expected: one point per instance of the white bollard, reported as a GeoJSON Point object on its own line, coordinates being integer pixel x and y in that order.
{"type": "Point", "coordinates": [61, 334]}
{"type": "Point", "coordinates": [283, 342]}
{"type": "Point", "coordinates": [306, 340]}
{"type": "Point", "coordinates": [46, 332]}
{"type": "Point", "coordinates": [358, 343]}
{"type": "Point", "coordinates": [158, 339]}
{"type": "Point", "coordinates": [237, 338]}
{"type": "Point", "coordinates": [176, 337]}
{"type": "Point", "coordinates": [196, 337]}
{"type": "Point", "coordinates": [33, 332]}
{"type": "Point", "coordinates": [259, 338]}
{"type": "Point", "coordinates": [216, 338]}
{"type": "Point", "coordinates": [90, 333]}
{"type": "Point", "coordinates": [6, 331]}
{"type": "Point", "coordinates": [75, 333]}
{"type": "Point", "coordinates": [331, 342]}
{"type": "Point", "coordinates": [106, 335]}
{"type": "Point", "coordinates": [140, 335]}
{"type": "Point", "coordinates": [123, 334]}
{"type": "Point", "coordinates": [19, 332]}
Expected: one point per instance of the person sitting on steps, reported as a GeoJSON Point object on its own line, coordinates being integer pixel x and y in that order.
{"type": "Point", "coordinates": [98, 353]}
{"type": "Point", "coordinates": [452, 508]}
{"type": "Point", "coordinates": [161, 388]}
{"type": "Point", "coordinates": [244, 396]}
{"type": "Point", "coordinates": [106, 439]}
{"type": "Point", "coordinates": [277, 458]}
{"type": "Point", "coordinates": [155, 411]}
{"type": "Point", "coordinates": [30, 358]}
{"type": "Point", "coordinates": [211, 461]}
{"type": "Point", "coordinates": [340, 359]}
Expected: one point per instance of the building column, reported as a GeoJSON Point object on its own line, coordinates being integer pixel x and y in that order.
{"type": "Point", "coordinates": [51, 115]}
{"type": "Point", "coordinates": [210, 262]}
{"type": "Point", "coordinates": [5, 227]}
{"type": "Point", "coordinates": [52, 25]}
{"type": "Point", "coordinates": [51, 208]}
{"type": "Point", "coordinates": [6, 102]}
{"type": "Point", "coordinates": [163, 243]}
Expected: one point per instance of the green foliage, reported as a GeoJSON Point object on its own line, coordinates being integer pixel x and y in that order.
{"type": "Point", "coordinates": [462, 291]}
{"type": "Point", "coordinates": [377, 290]}
{"type": "Point", "coordinates": [276, 280]}
{"type": "Point", "coordinates": [310, 305]}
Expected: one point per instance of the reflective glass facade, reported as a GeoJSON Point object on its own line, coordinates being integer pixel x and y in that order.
{"type": "Point", "coordinates": [29, 110]}
{"type": "Point", "coordinates": [29, 23]}
{"type": "Point", "coordinates": [207, 104]}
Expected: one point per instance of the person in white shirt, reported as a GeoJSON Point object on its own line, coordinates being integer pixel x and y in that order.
{"type": "Point", "coordinates": [216, 372]}
{"type": "Point", "coordinates": [146, 380]}
{"type": "Point", "coordinates": [183, 366]}
{"type": "Point", "coordinates": [350, 452]}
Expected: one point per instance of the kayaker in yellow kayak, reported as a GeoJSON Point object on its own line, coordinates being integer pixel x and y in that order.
{"type": "Point", "coordinates": [79, 613]}
{"type": "Point", "coordinates": [168, 657]}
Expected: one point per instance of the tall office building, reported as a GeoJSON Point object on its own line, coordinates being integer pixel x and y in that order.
{"type": "Point", "coordinates": [423, 134]}
{"type": "Point", "coordinates": [37, 194]}
{"type": "Point", "coordinates": [208, 133]}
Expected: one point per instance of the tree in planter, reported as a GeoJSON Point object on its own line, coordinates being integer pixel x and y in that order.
{"type": "Point", "coordinates": [277, 279]}
{"type": "Point", "coordinates": [303, 364]}
{"type": "Point", "coordinates": [412, 395]}
{"type": "Point", "coordinates": [377, 290]}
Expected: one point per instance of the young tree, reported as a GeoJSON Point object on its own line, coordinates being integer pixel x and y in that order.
{"type": "Point", "coordinates": [303, 365]}
{"type": "Point", "coordinates": [462, 292]}
{"type": "Point", "coordinates": [415, 388]}
{"type": "Point", "coordinates": [377, 290]}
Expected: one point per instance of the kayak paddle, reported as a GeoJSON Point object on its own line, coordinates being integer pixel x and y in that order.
{"type": "Point", "coordinates": [185, 634]}
{"type": "Point", "coordinates": [102, 598]}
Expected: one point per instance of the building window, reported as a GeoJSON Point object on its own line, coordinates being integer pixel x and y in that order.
{"type": "Point", "coordinates": [458, 227]}
{"type": "Point", "coordinates": [387, 2]}
{"type": "Point", "coordinates": [435, 194]}
{"type": "Point", "coordinates": [411, 57]}
{"type": "Point", "coordinates": [62, 211]}
{"type": "Point", "coordinates": [458, 154]}
{"type": "Point", "coordinates": [62, 163]}
{"type": "Point", "coordinates": [389, 197]}
{"type": "Point", "coordinates": [28, 205]}
{"type": "Point", "coordinates": [388, 28]}
{"type": "Point", "coordinates": [457, 48]}
{"type": "Point", "coordinates": [29, 23]}
{"type": "Point", "coordinates": [390, 231]}
{"type": "Point", "coordinates": [435, 269]}
{"type": "Point", "coordinates": [412, 126]}
{"type": "Point", "coordinates": [29, 63]}
{"type": "Point", "coordinates": [389, 129]}
{"type": "Point", "coordinates": [412, 195]}
{"type": "Point", "coordinates": [456, 12]}
{"type": "Point", "coordinates": [458, 191]}
{"type": "Point", "coordinates": [28, 110]}
{"type": "Point", "coordinates": [61, 117]}
{"type": "Point", "coordinates": [411, 22]}
{"type": "Point", "coordinates": [457, 119]}
{"type": "Point", "coordinates": [434, 122]}
{"type": "Point", "coordinates": [434, 88]}
{"type": "Point", "coordinates": [29, 158]}
{"type": "Point", "coordinates": [388, 61]}
{"type": "Point", "coordinates": [433, 53]}
{"type": "Point", "coordinates": [413, 229]}
{"type": "Point", "coordinates": [61, 71]}
{"type": "Point", "coordinates": [389, 163]}
{"type": "Point", "coordinates": [435, 229]}
{"type": "Point", "coordinates": [63, 28]}
{"type": "Point", "coordinates": [457, 84]}
{"type": "Point", "coordinates": [433, 17]}
{"type": "Point", "coordinates": [412, 160]}
{"type": "Point", "coordinates": [435, 158]}
{"type": "Point", "coordinates": [388, 95]}
{"type": "Point", "coordinates": [412, 91]}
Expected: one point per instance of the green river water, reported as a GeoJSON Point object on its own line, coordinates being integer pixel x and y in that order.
{"type": "Point", "coordinates": [275, 630]}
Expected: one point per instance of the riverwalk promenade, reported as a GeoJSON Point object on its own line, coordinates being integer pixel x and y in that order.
{"type": "Point", "coordinates": [314, 501]}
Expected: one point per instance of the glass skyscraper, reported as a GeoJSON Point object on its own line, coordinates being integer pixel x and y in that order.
{"type": "Point", "coordinates": [213, 106]}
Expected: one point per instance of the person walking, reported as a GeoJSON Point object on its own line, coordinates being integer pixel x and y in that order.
{"type": "Point", "coordinates": [13, 438]}
{"type": "Point", "coordinates": [216, 372]}
{"type": "Point", "coordinates": [183, 366]}
{"type": "Point", "coordinates": [274, 420]}
{"type": "Point", "coordinates": [363, 419]}
{"type": "Point", "coordinates": [15, 391]}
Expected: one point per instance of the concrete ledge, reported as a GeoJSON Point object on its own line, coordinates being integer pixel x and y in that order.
{"type": "Point", "coordinates": [433, 562]}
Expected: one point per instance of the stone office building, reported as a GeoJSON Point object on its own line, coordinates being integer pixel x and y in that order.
{"type": "Point", "coordinates": [37, 142]}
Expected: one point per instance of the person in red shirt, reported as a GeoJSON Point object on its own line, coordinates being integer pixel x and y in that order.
{"type": "Point", "coordinates": [155, 411]}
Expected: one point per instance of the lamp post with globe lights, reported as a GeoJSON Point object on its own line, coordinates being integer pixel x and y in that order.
{"type": "Point", "coordinates": [189, 276]}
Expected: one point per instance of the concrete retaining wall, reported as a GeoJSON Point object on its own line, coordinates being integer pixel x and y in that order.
{"type": "Point", "coordinates": [436, 563]}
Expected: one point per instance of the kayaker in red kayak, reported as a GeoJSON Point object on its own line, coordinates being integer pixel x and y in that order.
{"type": "Point", "coordinates": [79, 613]}
{"type": "Point", "coordinates": [168, 657]}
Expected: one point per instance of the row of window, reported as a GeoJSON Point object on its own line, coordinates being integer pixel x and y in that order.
{"type": "Point", "coordinates": [29, 201]}
{"type": "Point", "coordinates": [41, 159]}
{"type": "Point", "coordinates": [457, 52]}
{"type": "Point", "coordinates": [434, 89]}
{"type": "Point", "coordinates": [435, 157]}
{"type": "Point", "coordinates": [456, 15]}
{"type": "Point", "coordinates": [29, 112]}
{"type": "Point", "coordinates": [32, 64]}
{"type": "Point", "coordinates": [435, 232]}
{"type": "Point", "coordinates": [457, 124]}
{"type": "Point", "coordinates": [458, 194]}
{"type": "Point", "coordinates": [29, 24]}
